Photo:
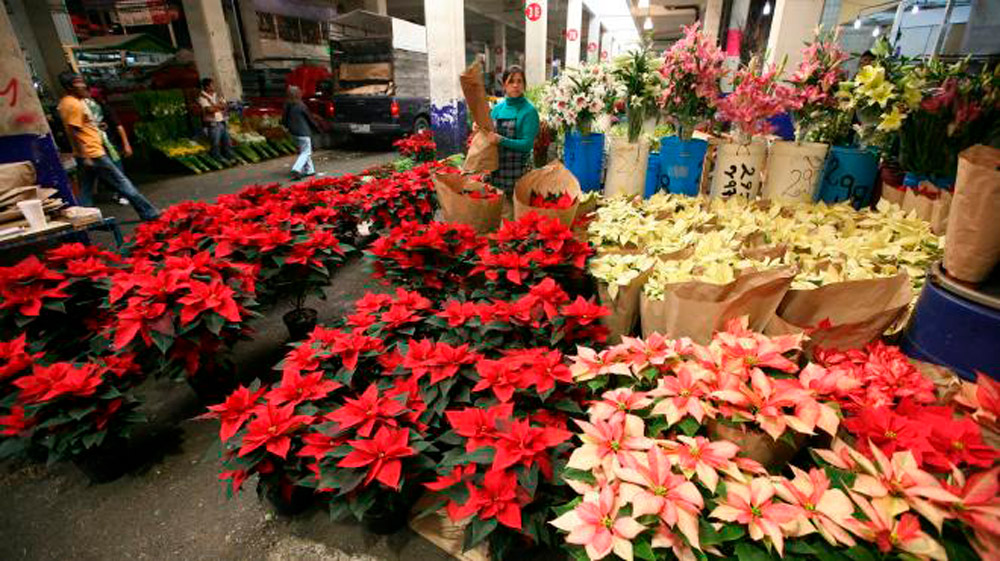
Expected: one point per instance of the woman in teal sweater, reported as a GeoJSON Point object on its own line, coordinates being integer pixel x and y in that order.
{"type": "Point", "coordinates": [516, 125]}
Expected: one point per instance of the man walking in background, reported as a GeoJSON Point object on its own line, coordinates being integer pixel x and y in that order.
{"type": "Point", "coordinates": [213, 116]}
{"type": "Point", "coordinates": [88, 147]}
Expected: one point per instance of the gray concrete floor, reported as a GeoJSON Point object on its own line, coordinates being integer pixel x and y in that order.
{"type": "Point", "coordinates": [174, 508]}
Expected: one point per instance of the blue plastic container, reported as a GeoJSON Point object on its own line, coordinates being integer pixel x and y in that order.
{"type": "Point", "coordinates": [652, 175]}
{"type": "Point", "coordinates": [680, 164]}
{"type": "Point", "coordinates": [913, 180]}
{"type": "Point", "coordinates": [849, 175]}
{"type": "Point", "coordinates": [953, 331]}
{"type": "Point", "coordinates": [584, 157]}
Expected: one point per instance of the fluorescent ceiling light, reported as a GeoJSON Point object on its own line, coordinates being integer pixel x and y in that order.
{"type": "Point", "coordinates": [857, 22]}
{"type": "Point", "coordinates": [648, 24]}
{"type": "Point", "coordinates": [915, 9]}
{"type": "Point", "coordinates": [877, 31]}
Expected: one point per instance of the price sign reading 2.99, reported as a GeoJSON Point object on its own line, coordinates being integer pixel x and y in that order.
{"type": "Point", "coordinates": [533, 11]}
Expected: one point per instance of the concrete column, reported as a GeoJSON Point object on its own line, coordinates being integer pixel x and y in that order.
{"type": "Point", "coordinates": [574, 35]}
{"type": "Point", "coordinates": [446, 58]}
{"type": "Point", "coordinates": [24, 132]}
{"type": "Point", "coordinates": [34, 18]}
{"type": "Point", "coordinates": [594, 39]}
{"type": "Point", "coordinates": [711, 19]}
{"type": "Point", "coordinates": [535, 30]}
{"type": "Point", "coordinates": [792, 27]}
{"type": "Point", "coordinates": [377, 6]}
{"type": "Point", "coordinates": [734, 39]}
{"type": "Point", "coordinates": [250, 29]}
{"type": "Point", "coordinates": [499, 47]}
{"type": "Point", "coordinates": [213, 49]}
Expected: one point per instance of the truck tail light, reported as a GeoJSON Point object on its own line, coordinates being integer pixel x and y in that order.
{"type": "Point", "coordinates": [329, 109]}
{"type": "Point", "coordinates": [394, 109]}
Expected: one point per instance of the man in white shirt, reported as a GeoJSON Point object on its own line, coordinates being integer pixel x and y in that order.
{"type": "Point", "coordinates": [213, 116]}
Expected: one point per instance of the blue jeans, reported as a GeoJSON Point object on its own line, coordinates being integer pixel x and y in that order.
{"type": "Point", "coordinates": [304, 163]}
{"type": "Point", "coordinates": [218, 134]}
{"type": "Point", "coordinates": [106, 170]}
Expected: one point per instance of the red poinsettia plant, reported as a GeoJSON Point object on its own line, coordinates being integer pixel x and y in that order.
{"type": "Point", "coordinates": [58, 301]}
{"type": "Point", "coordinates": [426, 257]}
{"type": "Point", "coordinates": [419, 146]}
{"type": "Point", "coordinates": [551, 200]}
{"type": "Point", "coordinates": [186, 309]}
{"type": "Point", "coordinates": [63, 409]}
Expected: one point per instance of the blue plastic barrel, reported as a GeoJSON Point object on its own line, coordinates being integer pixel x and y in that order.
{"type": "Point", "coordinates": [913, 180]}
{"type": "Point", "coordinates": [680, 164]}
{"type": "Point", "coordinates": [652, 175]}
{"type": "Point", "coordinates": [953, 331]}
{"type": "Point", "coordinates": [584, 157]}
{"type": "Point", "coordinates": [849, 175]}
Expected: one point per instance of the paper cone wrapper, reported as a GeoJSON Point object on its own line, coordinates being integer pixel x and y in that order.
{"type": "Point", "coordinates": [483, 157]}
{"type": "Point", "coordinates": [627, 165]}
{"type": "Point", "coordinates": [483, 215]}
{"type": "Point", "coordinates": [758, 445]}
{"type": "Point", "coordinates": [843, 315]}
{"type": "Point", "coordinates": [553, 179]}
{"type": "Point", "coordinates": [698, 309]}
{"type": "Point", "coordinates": [794, 171]}
{"type": "Point", "coordinates": [624, 307]}
{"type": "Point", "coordinates": [739, 169]}
{"type": "Point", "coordinates": [973, 247]}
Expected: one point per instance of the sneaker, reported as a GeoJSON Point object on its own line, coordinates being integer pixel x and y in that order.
{"type": "Point", "coordinates": [123, 201]}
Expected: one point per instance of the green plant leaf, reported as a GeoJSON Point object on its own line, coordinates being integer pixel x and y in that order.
{"type": "Point", "coordinates": [579, 475]}
{"type": "Point", "coordinates": [746, 551]}
{"type": "Point", "coordinates": [477, 531]}
{"type": "Point", "coordinates": [689, 426]}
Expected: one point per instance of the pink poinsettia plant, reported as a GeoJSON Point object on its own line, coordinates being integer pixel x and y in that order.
{"type": "Point", "coordinates": [691, 69]}
{"type": "Point", "coordinates": [653, 476]}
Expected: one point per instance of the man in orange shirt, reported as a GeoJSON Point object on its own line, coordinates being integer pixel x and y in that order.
{"type": "Point", "coordinates": [88, 147]}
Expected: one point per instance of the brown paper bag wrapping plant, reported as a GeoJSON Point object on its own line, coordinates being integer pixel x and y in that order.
{"type": "Point", "coordinates": [973, 247]}
{"type": "Point", "coordinates": [458, 205]}
{"type": "Point", "coordinates": [483, 157]}
{"type": "Point", "coordinates": [698, 309]}
{"type": "Point", "coordinates": [553, 179]}
{"type": "Point", "coordinates": [843, 315]}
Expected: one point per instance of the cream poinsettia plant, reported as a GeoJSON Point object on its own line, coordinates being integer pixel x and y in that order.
{"type": "Point", "coordinates": [716, 240]}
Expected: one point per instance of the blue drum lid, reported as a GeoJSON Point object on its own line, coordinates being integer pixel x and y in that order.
{"type": "Point", "coordinates": [986, 293]}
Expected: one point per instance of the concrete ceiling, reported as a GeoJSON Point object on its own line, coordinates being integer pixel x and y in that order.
{"type": "Point", "coordinates": [668, 17]}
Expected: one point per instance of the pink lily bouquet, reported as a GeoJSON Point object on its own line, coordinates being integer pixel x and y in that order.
{"type": "Point", "coordinates": [756, 97]}
{"type": "Point", "coordinates": [813, 87]}
{"type": "Point", "coordinates": [654, 481]}
{"type": "Point", "coordinates": [691, 71]}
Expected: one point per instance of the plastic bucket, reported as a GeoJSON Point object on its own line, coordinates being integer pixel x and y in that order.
{"type": "Point", "coordinates": [680, 164]}
{"type": "Point", "coordinates": [794, 171]}
{"type": "Point", "coordinates": [652, 175]}
{"type": "Point", "coordinates": [849, 175]}
{"type": "Point", "coordinates": [953, 331]}
{"type": "Point", "coordinates": [739, 169]}
{"type": "Point", "coordinates": [584, 157]}
{"type": "Point", "coordinates": [627, 162]}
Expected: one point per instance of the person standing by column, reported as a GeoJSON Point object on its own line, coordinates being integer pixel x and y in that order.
{"type": "Point", "coordinates": [88, 147]}
{"type": "Point", "coordinates": [516, 125]}
{"type": "Point", "coordinates": [213, 116]}
{"type": "Point", "coordinates": [300, 124]}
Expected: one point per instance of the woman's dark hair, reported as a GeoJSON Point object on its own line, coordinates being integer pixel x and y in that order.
{"type": "Point", "coordinates": [205, 82]}
{"type": "Point", "coordinates": [511, 70]}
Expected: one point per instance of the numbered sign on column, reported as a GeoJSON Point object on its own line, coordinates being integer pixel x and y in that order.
{"type": "Point", "coordinates": [592, 46]}
{"type": "Point", "coordinates": [533, 11]}
{"type": "Point", "coordinates": [572, 35]}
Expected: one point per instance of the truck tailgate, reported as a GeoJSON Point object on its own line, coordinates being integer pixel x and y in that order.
{"type": "Point", "coordinates": [362, 109]}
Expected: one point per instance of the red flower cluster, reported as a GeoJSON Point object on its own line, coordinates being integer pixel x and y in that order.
{"type": "Point", "coordinates": [520, 254]}
{"type": "Point", "coordinates": [419, 146]}
{"type": "Point", "coordinates": [64, 407]}
{"type": "Point", "coordinates": [520, 446]}
{"type": "Point", "coordinates": [551, 200]}
{"type": "Point", "coordinates": [888, 401]}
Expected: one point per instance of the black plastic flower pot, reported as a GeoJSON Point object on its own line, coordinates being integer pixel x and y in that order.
{"type": "Point", "coordinates": [104, 463]}
{"type": "Point", "coordinates": [382, 521]}
{"type": "Point", "coordinates": [300, 323]}
{"type": "Point", "coordinates": [288, 499]}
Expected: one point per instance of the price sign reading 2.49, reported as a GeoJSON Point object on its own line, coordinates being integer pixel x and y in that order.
{"type": "Point", "coordinates": [533, 11]}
